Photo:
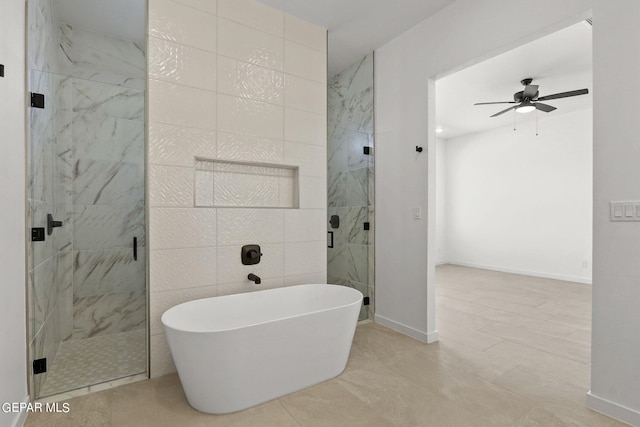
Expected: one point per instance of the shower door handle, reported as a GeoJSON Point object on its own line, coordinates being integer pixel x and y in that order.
{"type": "Point", "coordinates": [135, 248]}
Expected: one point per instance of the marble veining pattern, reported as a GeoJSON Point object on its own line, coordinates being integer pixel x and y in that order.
{"type": "Point", "coordinates": [350, 177]}
{"type": "Point", "coordinates": [108, 313]}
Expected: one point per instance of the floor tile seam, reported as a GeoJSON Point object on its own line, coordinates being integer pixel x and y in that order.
{"type": "Point", "coordinates": [283, 406]}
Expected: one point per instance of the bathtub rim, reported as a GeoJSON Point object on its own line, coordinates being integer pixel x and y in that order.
{"type": "Point", "coordinates": [278, 319]}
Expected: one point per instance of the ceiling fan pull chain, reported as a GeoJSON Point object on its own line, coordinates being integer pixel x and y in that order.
{"type": "Point", "coordinates": [536, 122]}
{"type": "Point", "coordinates": [514, 120]}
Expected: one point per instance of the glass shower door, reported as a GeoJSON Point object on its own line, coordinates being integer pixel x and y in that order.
{"type": "Point", "coordinates": [350, 180]}
{"type": "Point", "coordinates": [86, 205]}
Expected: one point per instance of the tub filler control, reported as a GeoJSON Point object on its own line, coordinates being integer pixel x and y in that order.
{"type": "Point", "coordinates": [250, 254]}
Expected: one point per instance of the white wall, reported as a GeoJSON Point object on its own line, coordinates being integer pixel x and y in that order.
{"type": "Point", "coordinates": [240, 82]}
{"type": "Point", "coordinates": [441, 201]}
{"type": "Point", "coordinates": [13, 369]}
{"type": "Point", "coordinates": [615, 366]}
{"type": "Point", "coordinates": [459, 35]}
{"type": "Point", "coordinates": [521, 203]}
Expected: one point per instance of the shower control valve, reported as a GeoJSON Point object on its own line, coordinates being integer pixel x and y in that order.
{"type": "Point", "coordinates": [250, 254]}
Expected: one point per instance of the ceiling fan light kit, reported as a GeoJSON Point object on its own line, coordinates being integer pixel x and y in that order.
{"type": "Point", "coordinates": [528, 99]}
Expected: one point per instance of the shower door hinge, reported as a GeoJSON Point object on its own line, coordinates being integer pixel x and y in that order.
{"type": "Point", "coordinates": [37, 100]}
{"type": "Point", "coordinates": [366, 150]}
{"type": "Point", "coordinates": [1, 70]}
{"type": "Point", "coordinates": [365, 301]}
{"type": "Point", "coordinates": [367, 226]}
{"type": "Point", "coordinates": [40, 366]}
{"type": "Point", "coordinates": [37, 234]}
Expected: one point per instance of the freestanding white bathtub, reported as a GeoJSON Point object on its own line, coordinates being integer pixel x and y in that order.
{"type": "Point", "coordinates": [236, 351]}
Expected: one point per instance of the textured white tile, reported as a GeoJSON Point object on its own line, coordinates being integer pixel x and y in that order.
{"type": "Point", "coordinates": [305, 94]}
{"type": "Point", "coordinates": [249, 148]}
{"type": "Point", "coordinates": [247, 226]}
{"type": "Point", "coordinates": [306, 279]}
{"type": "Point", "coordinates": [248, 80]}
{"type": "Point", "coordinates": [180, 23]}
{"type": "Point", "coordinates": [305, 225]}
{"type": "Point", "coordinates": [250, 45]}
{"type": "Point", "coordinates": [289, 197]}
{"type": "Point", "coordinates": [182, 228]}
{"type": "Point", "coordinates": [163, 300]}
{"type": "Point", "coordinates": [181, 105]}
{"type": "Point", "coordinates": [182, 268]}
{"type": "Point", "coordinates": [231, 269]}
{"type": "Point", "coordinates": [204, 188]}
{"type": "Point", "coordinates": [170, 186]}
{"type": "Point", "coordinates": [245, 190]}
{"type": "Point", "coordinates": [209, 6]}
{"type": "Point", "coordinates": [253, 14]}
{"type": "Point", "coordinates": [313, 192]}
{"type": "Point", "coordinates": [312, 159]}
{"type": "Point", "coordinates": [305, 62]}
{"type": "Point", "coordinates": [301, 126]}
{"type": "Point", "coordinates": [245, 116]}
{"type": "Point", "coordinates": [160, 357]}
{"type": "Point", "coordinates": [178, 145]}
{"type": "Point", "coordinates": [305, 33]}
{"type": "Point", "coordinates": [177, 63]}
{"type": "Point", "coordinates": [305, 258]}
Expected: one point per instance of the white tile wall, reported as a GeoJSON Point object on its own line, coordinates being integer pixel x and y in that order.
{"type": "Point", "coordinates": [174, 21]}
{"type": "Point", "coordinates": [217, 90]}
{"type": "Point", "coordinates": [253, 14]}
{"type": "Point", "coordinates": [305, 33]}
{"type": "Point", "coordinates": [246, 44]}
{"type": "Point", "coordinates": [304, 62]}
{"type": "Point", "coordinates": [301, 126]}
{"type": "Point", "coordinates": [181, 105]}
{"type": "Point", "coordinates": [245, 116]}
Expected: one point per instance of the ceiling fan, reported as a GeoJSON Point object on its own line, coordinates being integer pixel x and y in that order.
{"type": "Point", "coordinates": [527, 100]}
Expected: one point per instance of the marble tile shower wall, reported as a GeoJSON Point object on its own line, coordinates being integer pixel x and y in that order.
{"type": "Point", "coordinates": [231, 80]}
{"type": "Point", "coordinates": [107, 182]}
{"type": "Point", "coordinates": [49, 266]}
{"type": "Point", "coordinates": [350, 178]}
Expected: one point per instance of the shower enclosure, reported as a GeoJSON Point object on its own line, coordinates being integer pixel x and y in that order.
{"type": "Point", "coordinates": [350, 253]}
{"type": "Point", "coordinates": [86, 198]}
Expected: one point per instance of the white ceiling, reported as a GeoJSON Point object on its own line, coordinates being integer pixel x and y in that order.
{"type": "Point", "coordinates": [357, 27]}
{"type": "Point", "coordinates": [559, 62]}
{"type": "Point", "coordinates": [126, 19]}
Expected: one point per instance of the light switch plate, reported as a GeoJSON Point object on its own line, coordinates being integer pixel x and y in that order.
{"type": "Point", "coordinates": [625, 211]}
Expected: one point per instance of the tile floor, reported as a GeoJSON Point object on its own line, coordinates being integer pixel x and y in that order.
{"type": "Point", "coordinates": [514, 351]}
{"type": "Point", "coordinates": [83, 362]}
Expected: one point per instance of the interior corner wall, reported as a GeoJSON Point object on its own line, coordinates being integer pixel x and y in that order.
{"type": "Point", "coordinates": [459, 35]}
{"type": "Point", "coordinates": [520, 202]}
{"type": "Point", "coordinates": [13, 369]}
{"type": "Point", "coordinates": [615, 371]}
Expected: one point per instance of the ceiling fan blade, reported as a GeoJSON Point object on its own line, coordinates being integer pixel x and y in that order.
{"type": "Point", "coordinates": [504, 111]}
{"type": "Point", "coordinates": [564, 94]}
{"type": "Point", "coordinates": [544, 107]}
{"type": "Point", "coordinates": [500, 102]}
{"type": "Point", "coordinates": [530, 91]}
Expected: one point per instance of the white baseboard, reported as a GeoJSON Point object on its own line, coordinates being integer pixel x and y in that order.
{"type": "Point", "coordinates": [426, 337]}
{"type": "Point", "coordinates": [21, 417]}
{"type": "Point", "coordinates": [566, 278]}
{"type": "Point", "coordinates": [613, 410]}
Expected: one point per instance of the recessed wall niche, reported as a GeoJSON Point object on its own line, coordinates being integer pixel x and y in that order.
{"type": "Point", "coordinates": [225, 184]}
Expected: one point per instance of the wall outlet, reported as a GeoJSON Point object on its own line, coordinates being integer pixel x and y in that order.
{"type": "Point", "coordinates": [585, 264]}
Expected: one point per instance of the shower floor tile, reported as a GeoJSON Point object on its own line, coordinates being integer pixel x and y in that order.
{"type": "Point", "coordinates": [83, 362]}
